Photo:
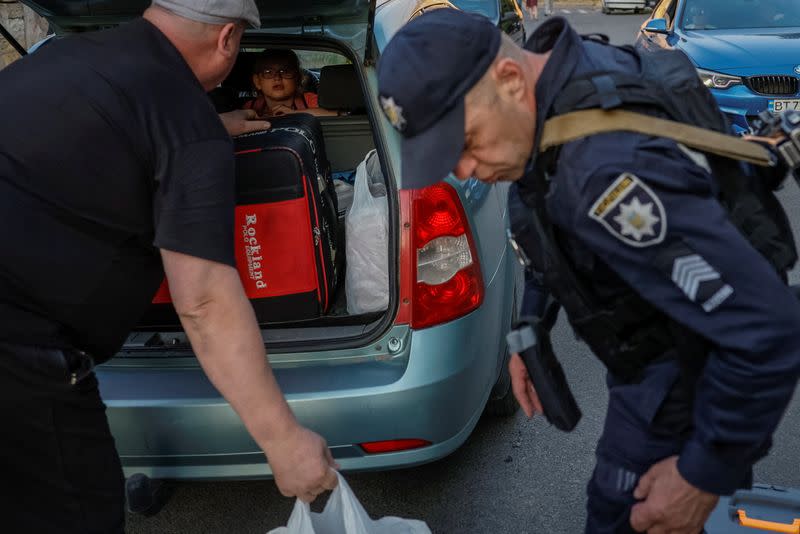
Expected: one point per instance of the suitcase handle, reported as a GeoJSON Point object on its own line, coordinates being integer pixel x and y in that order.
{"type": "Point", "coordinates": [771, 526]}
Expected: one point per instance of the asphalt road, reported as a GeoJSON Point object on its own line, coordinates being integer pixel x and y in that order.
{"type": "Point", "coordinates": [512, 475]}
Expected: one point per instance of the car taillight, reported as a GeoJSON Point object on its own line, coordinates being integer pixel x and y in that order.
{"type": "Point", "coordinates": [441, 277]}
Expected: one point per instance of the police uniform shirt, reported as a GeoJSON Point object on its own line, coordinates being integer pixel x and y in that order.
{"type": "Point", "coordinates": [109, 150]}
{"type": "Point", "coordinates": [647, 210]}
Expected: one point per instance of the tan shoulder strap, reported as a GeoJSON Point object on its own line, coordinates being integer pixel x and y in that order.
{"type": "Point", "coordinates": [577, 124]}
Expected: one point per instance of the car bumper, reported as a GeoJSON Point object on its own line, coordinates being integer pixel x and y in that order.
{"type": "Point", "coordinates": [170, 422]}
{"type": "Point", "coordinates": [742, 105]}
{"type": "Point", "coordinates": [624, 4]}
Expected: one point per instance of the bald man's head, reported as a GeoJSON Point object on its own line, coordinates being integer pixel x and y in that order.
{"type": "Point", "coordinates": [209, 49]}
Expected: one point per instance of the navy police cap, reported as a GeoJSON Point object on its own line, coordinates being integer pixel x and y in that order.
{"type": "Point", "coordinates": [424, 74]}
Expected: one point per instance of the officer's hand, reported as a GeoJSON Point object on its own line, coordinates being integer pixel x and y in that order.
{"type": "Point", "coordinates": [669, 504]}
{"type": "Point", "coordinates": [302, 464]}
{"type": "Point", "coordinates": [242, 121]}
{"type": "Point", "coordinates": [522, 387]}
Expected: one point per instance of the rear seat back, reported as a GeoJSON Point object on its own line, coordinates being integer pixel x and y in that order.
{"type": "Point", "coordinates": [347, 139]}
{"type": "Point", "coordinates": [340, 89]}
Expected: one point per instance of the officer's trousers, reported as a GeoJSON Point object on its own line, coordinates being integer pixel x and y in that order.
{"type": "Point", "coordinates": [645, 423]}
{"type": "Point", "coordinates": [58, 462]}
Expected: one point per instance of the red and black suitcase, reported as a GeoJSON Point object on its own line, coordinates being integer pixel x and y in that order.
{"type": "Point", "coordinates": [286, 219]}
{"type": "Point", "coordinates": [285, 227]}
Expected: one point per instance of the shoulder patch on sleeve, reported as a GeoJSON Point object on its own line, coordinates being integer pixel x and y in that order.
{"type": "Point", "coordinates": [631, 212]}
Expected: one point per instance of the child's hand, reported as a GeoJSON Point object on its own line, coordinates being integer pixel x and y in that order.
{"type": "Point", "coordinates": [281, 109]}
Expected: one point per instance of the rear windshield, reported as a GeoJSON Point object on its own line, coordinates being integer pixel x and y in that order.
{"type": "Point", "coordinates": [740, 14]}
{"type": "Point", "coordinates": [313, 60]}
{"type": "Point", "coordinates": [482, 7]}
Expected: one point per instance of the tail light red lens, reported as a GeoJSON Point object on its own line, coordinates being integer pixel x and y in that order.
{"type": "Point", "coordinates": [441, 277]}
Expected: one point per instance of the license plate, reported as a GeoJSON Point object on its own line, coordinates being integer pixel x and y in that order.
{"type": "Point", "coordinates": [779, 106]}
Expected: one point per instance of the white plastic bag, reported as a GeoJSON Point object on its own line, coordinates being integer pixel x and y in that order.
{"type": "Point", "coordinates": [367, 241]}
{"type": "Point", "coordinates": [343, 514]}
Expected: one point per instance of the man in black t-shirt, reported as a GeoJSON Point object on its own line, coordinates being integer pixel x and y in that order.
{"type": "Point", "coordinates": [114, 169]}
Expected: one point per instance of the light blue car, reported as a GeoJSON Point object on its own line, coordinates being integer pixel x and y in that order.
{"type": "Point", "coordinates": [386, 390]}
{"type": "Point", "coordinates": [747, 52]}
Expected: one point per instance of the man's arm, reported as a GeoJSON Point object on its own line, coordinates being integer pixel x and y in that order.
{"type": "Point", "coordinates": [224, 334]}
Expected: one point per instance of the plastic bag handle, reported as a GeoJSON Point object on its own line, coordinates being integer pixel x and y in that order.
{"type": "Point", "coordinates": [745, 521]}
{"type": "Point", "coordinates": [362, 196]}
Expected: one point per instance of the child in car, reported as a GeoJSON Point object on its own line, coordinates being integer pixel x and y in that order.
{"type": "Point", "coordinates": [277, 78]}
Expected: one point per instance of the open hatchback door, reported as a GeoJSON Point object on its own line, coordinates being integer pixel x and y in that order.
{"type": "Point", "coordinates": [350, 21]}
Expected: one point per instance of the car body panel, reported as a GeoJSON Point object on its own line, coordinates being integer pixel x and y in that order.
{"type": "Point", "coordinates": [169, 421]}
{"type": "Point", "coordinates": [755, 50]}
{"type": "Point", "coordinates": [742, 52]}
{"type": "Point", "coordinates": [505, 14]}
{"type": "Point", "coordinates": [636, 5]}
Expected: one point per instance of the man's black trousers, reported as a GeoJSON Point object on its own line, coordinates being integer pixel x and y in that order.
{"type": "Point", "coordinates": [58, 462]}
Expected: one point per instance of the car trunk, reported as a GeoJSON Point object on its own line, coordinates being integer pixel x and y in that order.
{"type": "Point", "coordinates": [347, 140]}
{"type": "Point", "coordinates": [339, 26]}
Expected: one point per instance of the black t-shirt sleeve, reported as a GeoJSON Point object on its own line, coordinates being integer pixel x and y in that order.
{"type": "Point", "coordinates": [194, 202]}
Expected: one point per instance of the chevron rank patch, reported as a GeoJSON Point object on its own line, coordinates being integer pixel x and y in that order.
{"type": "Point", "coordinates": [694, 276]}
{"type": "Point", "coordinates": [631, 212]}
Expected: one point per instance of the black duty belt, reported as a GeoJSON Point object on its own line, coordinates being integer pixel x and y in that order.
{"type": "Point", "coordinates": [73, 364]}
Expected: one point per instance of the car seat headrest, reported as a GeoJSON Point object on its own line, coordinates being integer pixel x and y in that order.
{"type": "Point", "coordinates": [340, 88]}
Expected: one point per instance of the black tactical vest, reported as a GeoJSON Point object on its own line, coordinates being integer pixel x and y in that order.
{"type": "Point", "coordinates": [625, 331]}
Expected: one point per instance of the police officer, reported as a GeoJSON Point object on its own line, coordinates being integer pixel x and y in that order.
{"type": "Point", "coordinates": [114, 168]}
{"type": "Point", "coordinates": [659, 267]}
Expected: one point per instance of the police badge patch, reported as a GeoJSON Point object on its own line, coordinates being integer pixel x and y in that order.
{"type": "Point", "coordinates": [631, 212]}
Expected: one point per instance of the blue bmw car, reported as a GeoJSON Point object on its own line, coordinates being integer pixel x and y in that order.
{"type": "Point", "coordinates": [747, 52]}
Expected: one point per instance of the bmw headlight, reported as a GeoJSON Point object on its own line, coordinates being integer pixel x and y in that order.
{"type": "Point", "coordinates": [715, 80]}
